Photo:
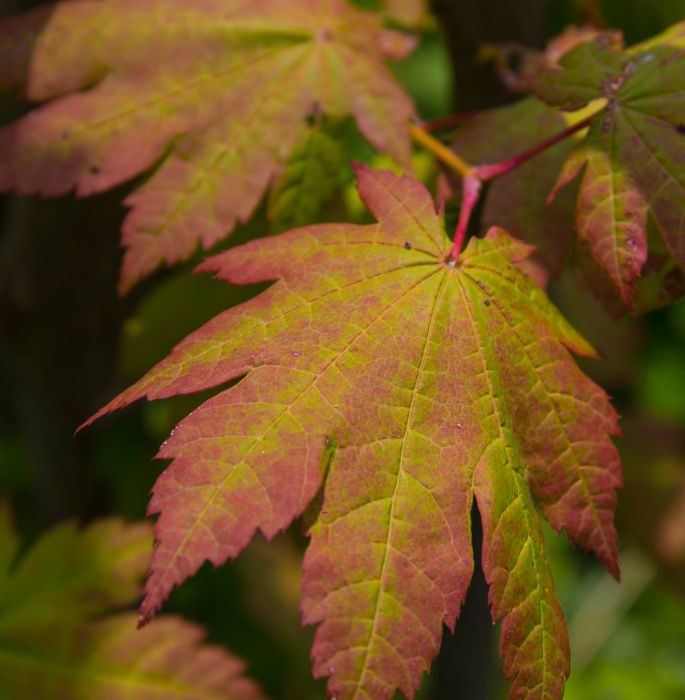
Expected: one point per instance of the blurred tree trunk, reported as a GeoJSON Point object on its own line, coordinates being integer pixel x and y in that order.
{"type": "Point", "coordinates": [469, 24]}
{"type": "Point", "coordinates": [466, 666]}
{"type": "Point", "coordinates": [60, 318]}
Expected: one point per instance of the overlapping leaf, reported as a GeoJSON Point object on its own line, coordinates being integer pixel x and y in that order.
{"type": "Point", "coordinates": [405, 385]}
{"type": "Point", "coordinates": [633, 160]}
{"type": "Point", "coordinates": [309, 179]}
{"type": "Point", "coordinates": [50, 647]}
{"type": "Point", "coordinates": [219, 91]}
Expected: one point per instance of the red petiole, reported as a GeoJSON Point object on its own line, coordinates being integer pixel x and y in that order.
{"type": "Point", "coordinates": [474, 176]}
{"type": "Point", "coordinates": [471, 194]}
{"type": "Point", "coordinates": [488, 172]}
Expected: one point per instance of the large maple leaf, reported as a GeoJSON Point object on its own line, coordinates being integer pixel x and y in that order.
{"type": "Point", "coordinates": [633, 186]}
{"type": "Point", "coordinates": [218, 90]}
{"type": "Point", "coordinates": [405, 383]}
{"type": "Point", "coordinates": [54, 642]}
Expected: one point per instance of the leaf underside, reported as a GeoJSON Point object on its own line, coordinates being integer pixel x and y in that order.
{"type": "Point", "coordinates": [52, 647]}
{"type": "Point", "coordinates": [410, 386]}
{"type": "Point", "coordinates": [633, 163]}
{"type": "Point", "coordinates": [216, 93]}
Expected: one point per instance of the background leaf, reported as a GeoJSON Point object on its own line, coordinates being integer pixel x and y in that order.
{"type": "Point", "coordinates": [50, 645]}
{"type": "Point", "coordinates": [632, 159]}
{"type": "Point", "coordinates": [310, 177]}
{"type": "Point", "coordinates": [219, 117]}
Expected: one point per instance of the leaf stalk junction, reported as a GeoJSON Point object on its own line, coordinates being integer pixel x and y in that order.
{"type": "Point", "coordinates": [474, 176]}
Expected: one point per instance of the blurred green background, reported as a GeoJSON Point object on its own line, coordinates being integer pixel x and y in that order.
{"type": "Point", "coordinates": [68, 343]}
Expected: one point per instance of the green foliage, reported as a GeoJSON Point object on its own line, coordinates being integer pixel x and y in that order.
{"type": "Point", "coordinates": [310, 177]}
{"type": "Point", "coordinates": [55, 642]}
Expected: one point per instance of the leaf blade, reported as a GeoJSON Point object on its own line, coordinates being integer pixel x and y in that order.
{"type": "Point", "coordinates": [404, 390]}
{"type": "Point", "coordinates": [200, 112]}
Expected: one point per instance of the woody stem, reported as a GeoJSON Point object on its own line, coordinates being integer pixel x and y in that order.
{"type": "Point", "coordinates": [440, 151]}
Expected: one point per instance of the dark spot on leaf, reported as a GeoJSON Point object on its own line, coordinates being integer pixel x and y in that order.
{"type": "Point", "coordinates": [94, 169]}
{"type": "Point", "coordinates": [680, 128]}
{"type": "Point", "coordinates": [407, 245]}
{"type": "Point", "coordinates": [487, 302]}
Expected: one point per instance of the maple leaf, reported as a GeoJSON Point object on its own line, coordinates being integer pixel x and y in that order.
{"type": "Point", "coordinates": [219, 91]}
{"type": "Point", "coordinates": [633, 156]}
{"type": "Point", "coordinates": [51, 645]}
{"type": "Point", "coordinates": [406, 384]}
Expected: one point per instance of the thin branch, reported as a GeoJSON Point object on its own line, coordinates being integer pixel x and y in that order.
{"type": "Point", "coordinates": [440, 151]}
{"type": "Point", "coordinates": [449, 122]}
{"type": "Point", "coordinates": [488, 172]}
{"type": "Point", "coordinates": [475, 176]}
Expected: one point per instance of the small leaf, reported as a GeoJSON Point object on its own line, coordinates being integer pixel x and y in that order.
{"type": "Point", "coordinates": [217, 92]}
{"type": "Point", "coordinates": [310, 178]}
{"type": "Point", "coordinates": [405, 384]}
{"type": "Point", "coordinates": [634, 154]}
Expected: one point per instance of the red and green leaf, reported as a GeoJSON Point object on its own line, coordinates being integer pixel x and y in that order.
{"type": "Point", "coordinates": [219, 117]}
{"type": "Point", "coordinates": [54, 642]}
{"type": "Point", "coordinates": [404, 384]}
{"type": "Point", "coordinates": [113, 660]}
{"type": "Point", "coordinates": [633, 159]}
